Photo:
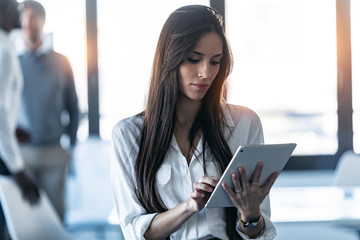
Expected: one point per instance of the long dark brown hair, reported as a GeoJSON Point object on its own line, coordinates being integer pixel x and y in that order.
{"type": "Point", "coordinates": [180, 33]}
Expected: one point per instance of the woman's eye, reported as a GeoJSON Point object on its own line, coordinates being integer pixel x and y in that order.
{"type": "Point", "coordinates": [215, 62]}
{"type": "Point", "coordinates": [193, 60]}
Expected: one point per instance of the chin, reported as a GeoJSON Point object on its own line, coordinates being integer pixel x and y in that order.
{"type": "Point", "coordinates": [193, 97]}
{"type": "Point", "coordinates": [197, 98]}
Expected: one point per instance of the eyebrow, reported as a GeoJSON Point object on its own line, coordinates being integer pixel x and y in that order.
{"type": "Point", "coordinates": [201, 54]}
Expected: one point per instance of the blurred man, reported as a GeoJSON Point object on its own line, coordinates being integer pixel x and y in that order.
{"type": "Point", "coordinates": [11, 82]}
{"type": "Point", "coordinates": [49, 107]}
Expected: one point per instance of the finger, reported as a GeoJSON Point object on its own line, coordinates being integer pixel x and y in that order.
{"type": "Point", "coordinates": [257, 173]}
{"type": "Point", "coordinates": [209, 180]}
{"type": "Point", "coordinates": [24, 195]}
{"type": "Point", "coordinates": [244, 177]}
{"type": "Point", "coordinates": [198, 186]}
{"type": "Point", "coordinates": [215, 178]}
{"type": "Point", "coordinates": [27, 196]}
{"type": "Point", "coordinates": [229, 191]}
{"type": "Point", "coordinates": [269, 182]}
{"type": "Point", "coordinates": [36, 196]}
{"type": "Point", "coordinates": [31, 194]}
{"type": "Point", "coordinates": [197, 195]}
{"type": "Point", "coordinates": [237, 185]}
{"type": "Point", "coordinates": [33, 199]}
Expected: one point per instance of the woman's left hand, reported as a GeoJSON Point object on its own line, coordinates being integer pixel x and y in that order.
{"type": "Point", "coordinates": [248, 195]}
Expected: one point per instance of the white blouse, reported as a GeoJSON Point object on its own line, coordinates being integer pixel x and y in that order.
{"type": "Point", "coordinates": [11, 84]}
{"type": "Point", "coordinates": [175, 178]}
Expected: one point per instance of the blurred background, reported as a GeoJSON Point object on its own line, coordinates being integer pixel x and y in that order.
{"type": "Point", "coordinates": [297, 64]}
{"type": "Point", "coordinates": [286, 64]}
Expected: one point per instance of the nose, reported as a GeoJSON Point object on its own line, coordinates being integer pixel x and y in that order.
{"type": "Point", "coordinates": [204, 71]}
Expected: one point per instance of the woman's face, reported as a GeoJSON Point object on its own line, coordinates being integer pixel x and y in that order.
{"type": "Point", "coordinates": [199, 70]}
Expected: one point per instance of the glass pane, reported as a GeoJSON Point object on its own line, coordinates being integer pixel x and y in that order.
{"type": "Point", "coordinates": [128, 33]}
{"type": "Point", "coordinates": [68, 36]}
{"type": "Point", "coordinates": [285, 69]}
{"type": "Point", "coordinates": [355, 59]}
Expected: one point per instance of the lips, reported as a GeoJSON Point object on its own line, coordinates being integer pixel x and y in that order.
{"type": "Point", "coordinates": [200, 85]}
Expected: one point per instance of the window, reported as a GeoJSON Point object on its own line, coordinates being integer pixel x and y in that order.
{"type": "Point", "coordinates": [285, 68]}
{"type": "Point", "coordinates": [128, 33]}
{"type": "Point", "coordinates": [355, 58]}
{"type": "Point", "coordinates": [285, 65]}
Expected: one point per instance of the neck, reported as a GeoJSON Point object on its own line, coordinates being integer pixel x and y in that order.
{"type": "Point", "coordinates": [33, 44]}
{"type": "Point", "coordinates": [186, 110]}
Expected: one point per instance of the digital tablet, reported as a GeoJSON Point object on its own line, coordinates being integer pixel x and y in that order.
{"type": "Point", "coordinates": [274, 157]}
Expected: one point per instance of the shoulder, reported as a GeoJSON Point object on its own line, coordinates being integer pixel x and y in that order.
{"type": "Point", "coordinates": [244, 126]}
{"type": "Point", "coordinates": [235, 114]}
{"type": "Point", "coordinates": [129, 127]}
{"type": "Point", "coordinates": [58, 58]}
{"type": "Point", "coordinates": [126, 139]}
{"type": "Point", "coordinates": [57, 55]}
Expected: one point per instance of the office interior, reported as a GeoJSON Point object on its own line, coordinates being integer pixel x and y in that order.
{"type": "Point", "coordinates": [296, 63]}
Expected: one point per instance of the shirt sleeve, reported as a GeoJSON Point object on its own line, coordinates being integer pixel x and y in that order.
{"type": "Point", "coordinates": [133, 218]}
{"type": "Point", "coordinates": [71, 103]}
{"type": "Point", "coordinates": [9, 149]}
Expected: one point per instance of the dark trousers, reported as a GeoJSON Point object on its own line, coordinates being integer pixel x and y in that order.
{"type": "Point", "coordinates": [3, 171]}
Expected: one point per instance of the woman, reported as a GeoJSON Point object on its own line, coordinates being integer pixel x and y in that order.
{"type": "Point", "coordinates": [170, 157]}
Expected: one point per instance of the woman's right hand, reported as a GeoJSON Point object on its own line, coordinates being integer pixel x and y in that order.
{"type": "Point", "coordinates": [202, 191]}
{"type": "Point", "coordinates": [166, 223]}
